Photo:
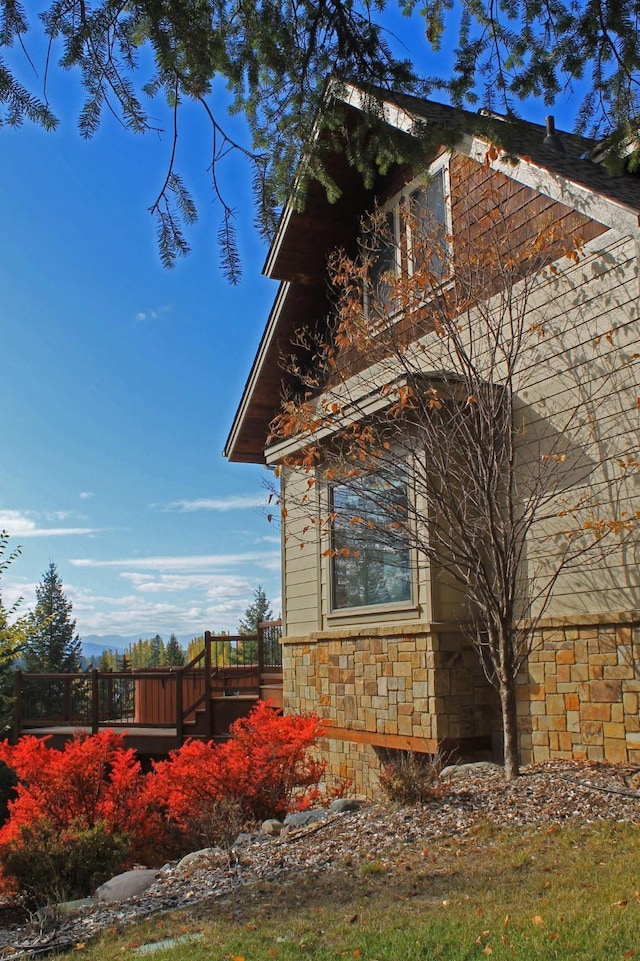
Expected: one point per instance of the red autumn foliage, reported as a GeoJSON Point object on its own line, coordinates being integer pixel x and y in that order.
{"type": "Point", "coordinates": [82, 814]}
{"type": "Point", "coordinates": [95, 780]}
{"type": "Point", "coordinates": [265, 766]}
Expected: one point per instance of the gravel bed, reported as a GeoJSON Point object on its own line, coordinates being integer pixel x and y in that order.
{"type": "Point", "coordinates": [551, 793]}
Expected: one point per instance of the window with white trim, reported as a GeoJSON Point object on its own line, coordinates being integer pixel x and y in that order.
{"type": "Point", "coordinates": [414, 234]}
{"type": "Point", "coordinates": [371, 559]}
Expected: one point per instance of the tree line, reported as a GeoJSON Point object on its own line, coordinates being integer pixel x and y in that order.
{"type": "Point", "coordinates": [45, 640]}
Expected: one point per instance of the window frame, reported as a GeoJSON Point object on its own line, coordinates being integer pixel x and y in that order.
{"type": "Point", "coordinates": [408, 569]}
{"type": "Point", "coordinates": [402, 235]}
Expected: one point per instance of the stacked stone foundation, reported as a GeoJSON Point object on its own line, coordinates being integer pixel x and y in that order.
{"type": "Point", "coordinates": [579, 694]}
{"type": "Point", "coordinates": [418, 689]}
{"type": "Point", "coordinates": [421, 688]}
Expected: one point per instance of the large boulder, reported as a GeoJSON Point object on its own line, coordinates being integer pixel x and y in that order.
{"type": "Point", "coordinates": [127, 885]}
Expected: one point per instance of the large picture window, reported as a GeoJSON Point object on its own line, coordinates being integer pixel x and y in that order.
{"type": "Point", "coordinates": [370, 561]}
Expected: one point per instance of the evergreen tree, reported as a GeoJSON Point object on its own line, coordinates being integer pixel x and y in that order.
{"type": "Point", "coordinates": [173, 654]}
{"type": "Point", "coordinates": [108, 660]}
{"type": "Point", "coordinates": [52, 646]}
{"type": "Point", "coordinates": [259, 610]}
{"type": "Point", "coordinates": [273, 60]}
{"type": "Point", "coordinates": [12, 636]}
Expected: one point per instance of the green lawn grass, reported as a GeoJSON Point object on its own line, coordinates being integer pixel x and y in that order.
{"type": "Point", "coordinates": [570, 893]}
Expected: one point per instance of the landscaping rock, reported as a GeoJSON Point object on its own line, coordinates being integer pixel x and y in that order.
{"type": "Point", "coordinates": [302, 819]}
{"type": "Point", "coordinates": [199, 859]}
{"type": "Point", "coordinates": [272, 827]}
{"type": "Point", "coordinates": [69, 909]}
{"type": "Point", "coordinates": [341, 805]}
{"type": "Point", "coordinates": [245, 838]}
{"type": "Point", "coordinates": [155, 946]}
{"type": "Point", "coordinates": [127, 885]}
{"type": "Point", "coordinates": [474, 768]}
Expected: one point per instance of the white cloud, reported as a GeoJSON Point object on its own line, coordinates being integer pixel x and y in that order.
{"type": "Point", "coordinates": [191, 563]}
{"type": "Point", "coordinates": [153, 313]}
{"type": "Point", "coordinates": [144, 616]}
{"type": "Point", "coordinates": [231, 503]}
{"type": "Point", "coordinates": [214, 585]}
{"type": "Point", "coordinates": [26, 524]}
{"type": "Point", "coordinates": [85, 495]}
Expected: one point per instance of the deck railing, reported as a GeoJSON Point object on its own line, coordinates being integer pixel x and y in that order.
{"type": "Point", "coordinates": [168, 697]}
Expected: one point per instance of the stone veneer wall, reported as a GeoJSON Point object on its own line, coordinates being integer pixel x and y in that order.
{"type": "Point", "coordinates": [579, 693]}
{"type": "Point", "coordinates": [418, 686]}
{"type": "Point", "coordinates": [413, 687]}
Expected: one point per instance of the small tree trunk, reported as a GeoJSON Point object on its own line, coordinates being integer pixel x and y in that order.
{"type": "Point", "coordinates": [510, 729]}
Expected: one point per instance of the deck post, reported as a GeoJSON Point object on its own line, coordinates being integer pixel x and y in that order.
{"type": "Point", "coordinates": [95, 706]}
{"type": "Point", "coordinates": [66, 699]}
{"type": "Point", "coordinates": [17, 705]}
{"type": "Point", "coordinates": [207, 684]}
{"type": "Point", "coordinates": [260, 630]}
{"type": "Point", "coordinates": [178, 674]}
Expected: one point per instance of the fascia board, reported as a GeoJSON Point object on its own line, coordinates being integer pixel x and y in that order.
{"type": "Point", "coordinates": [392, 114]}
{"type": "Point", "coordinates": [257, 367]}
{"type": "Point", "coordinates": [351, 415]}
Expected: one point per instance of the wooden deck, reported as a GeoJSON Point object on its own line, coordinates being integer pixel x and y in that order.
{"type": "Point", "coordinates": [156, 709]}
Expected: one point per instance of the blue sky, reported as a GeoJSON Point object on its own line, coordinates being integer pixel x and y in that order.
{"type": "Point", "coordinates": [119, 381]}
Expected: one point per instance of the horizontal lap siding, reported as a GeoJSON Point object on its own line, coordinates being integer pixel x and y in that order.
{"type": "Point", "coordinates": [300, 559]}
{"type": "Point", "coordinates": [575, 307]}
{"type": "Point", "coordinates": [582, 379]}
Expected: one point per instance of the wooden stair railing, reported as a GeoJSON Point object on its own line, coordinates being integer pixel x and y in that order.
{"type": "Point", "coordinates": [248, 665]}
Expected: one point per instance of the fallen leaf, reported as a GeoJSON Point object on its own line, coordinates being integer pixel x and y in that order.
{"type": "Point", "coordinates": [488, 950]}
{"type": "Point", "coordinates": [537, 919]}
{"type": "Point", "coordinates": [445, 904]}
{"type": "Point", "coordinates": [620, 904]}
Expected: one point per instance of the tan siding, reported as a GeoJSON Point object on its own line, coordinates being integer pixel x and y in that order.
{"type": "Point", "coordinates": [582, 389]}
{"type": "Point", "coordinates": [583, 371]}
{"type": "Point", "coordinates": [300, 579]}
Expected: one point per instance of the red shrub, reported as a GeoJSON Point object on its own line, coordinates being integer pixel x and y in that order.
{"type": "Point", "coordinates": [81, 812]}
{"type": "Point", "coordinates": [263, 766]}
{"type": "Point", "coordinates": [93, 781]}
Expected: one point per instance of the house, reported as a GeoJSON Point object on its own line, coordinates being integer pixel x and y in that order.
{"type": "Point", "coordinates": [389, 664]}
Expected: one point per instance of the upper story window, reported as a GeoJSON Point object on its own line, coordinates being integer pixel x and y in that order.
{"type": "Point", "coordinates": [413, 235]}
